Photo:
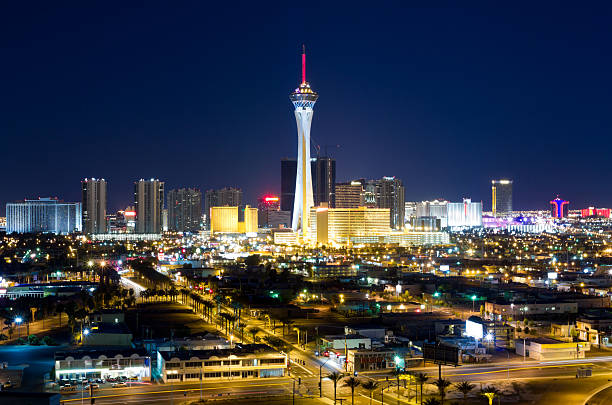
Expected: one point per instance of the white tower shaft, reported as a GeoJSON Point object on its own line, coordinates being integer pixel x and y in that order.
{"type": "Point", "coordinates": [303, 178]}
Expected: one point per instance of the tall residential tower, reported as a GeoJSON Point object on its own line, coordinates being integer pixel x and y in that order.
{"type": "Point", "coordinates": [149, 203]}
{"type": "Point", "coordinates": [303, 99]}
{"type": "Point", "coordinates": [94, 205]}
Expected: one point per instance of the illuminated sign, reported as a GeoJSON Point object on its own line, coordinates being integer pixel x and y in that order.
{"type": "Point", "coordinates": [130, 213]}
{"type": "Point", "coordinates": [552, 275]}
{"type": "Point", "coordinates": [271, 199]}
{"type": "Point", "coordinates": [474, 329]}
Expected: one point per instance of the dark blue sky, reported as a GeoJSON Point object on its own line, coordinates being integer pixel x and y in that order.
{"type": "Point", "coordinates": [446, 98]}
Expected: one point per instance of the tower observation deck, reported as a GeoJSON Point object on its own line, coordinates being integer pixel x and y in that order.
{"type": "Point", "coordinates": [303, 99]}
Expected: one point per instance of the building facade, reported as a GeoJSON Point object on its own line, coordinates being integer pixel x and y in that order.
{"type": "Point", "coordinates": [240, 362]}
{"type": "Point", "coordinates": [391, 195]}
{"type": "Point", "coordinates": [324, 181]}
{"type": "Point", "coordinates": [45, 215]}
{"type": "Point", "coordinates": [501, 197]}
{"type": "Point", "coordinates": [464, 214]}
{"type": "Point", "coordinates": [339, 225]}
{"type": "Point", "coordinates": [94, 205]}
{"type": "Point", "coordinates": [149, 203]}
{"type": "Point", "coordinates": [350, 195]}
{"type": "Point", "coordinates": [184, 210]}
{"type": "Point", "coordinates": [90, 363]}
{"type": "Point", "coordinates": [224, 197]}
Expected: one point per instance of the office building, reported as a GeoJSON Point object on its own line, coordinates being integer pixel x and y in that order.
{"type": "Point", "coordinates": [324, 181]}
{"type": "Point", "coordinates": [559, 208]}
{"type": "Point", "coordinates": [339, 225]}
{"type": "Point", "coordinates": [45, 215]}
{"type": "Point", "coordinates": [464, 214]}
{"type": "Point", "coordinates": [184, 210]}
{"type": "Point", "coordinates": [94, 205]}
{"type": "Point", "coordinates": [501, 197]}
{"type": "Point", "coordinates": [240, 362]}
{"type": "Point", "coordinates": [149, 203]}
{"type": "Point", "coordinates": [303, 99]}
{"type": "Point", "coordinates": [350, 195]}
{"type": "Point", "coordinates": [391, 196]}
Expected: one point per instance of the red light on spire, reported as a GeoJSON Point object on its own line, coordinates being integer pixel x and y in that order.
{"type": "Point", "coordinates": [303, 64]}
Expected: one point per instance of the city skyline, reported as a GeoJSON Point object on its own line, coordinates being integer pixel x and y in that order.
{"type": "Point", "coordinates": [494, 108]}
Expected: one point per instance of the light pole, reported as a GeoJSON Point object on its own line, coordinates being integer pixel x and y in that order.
{"type": "Point", "coordinates": [18, 321]}
{"type": "Point", "coordinates": [321, 378]}
{"type": "Point", "coordinates": [473, 300]}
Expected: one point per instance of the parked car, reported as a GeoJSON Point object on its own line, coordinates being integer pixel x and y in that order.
{"type": "Point", "coordinates": [99, 381]}
{"type": "Point", "coordinates": [119, 385]}
{"type": "Point", "coordinates": [7, 384]}
{"type": "Point", "coordinates": [134, 378]}
{"type": "Point", "coordinates": [92, 386]}
{"type": "Point", "coordinates": [68, 388]}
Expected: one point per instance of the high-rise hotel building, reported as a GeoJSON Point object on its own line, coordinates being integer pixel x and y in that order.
{"type": "Point", "coordinates": [93, 193]}
{"type": "Point", "coordinates": [149, 203]}
{"type": "Point", "coordinates": [501, 197]}
{"type": "Point", "coordinates": [45, 215]}
{"type": "Point", "coordinates": [184, 210]}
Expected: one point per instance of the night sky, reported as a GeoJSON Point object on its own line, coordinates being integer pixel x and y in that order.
{"type": "Point", "coordinates": [445, 98]}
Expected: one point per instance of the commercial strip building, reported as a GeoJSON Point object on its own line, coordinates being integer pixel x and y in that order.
{"type": "Point", "coordinates": [102, 363]}
{"type": "Point", "coordinates": [546, 349]}
{"type": "Point", "coordinates": [239, 362]}
{"type": "Point", "coordinates": [45, 215]}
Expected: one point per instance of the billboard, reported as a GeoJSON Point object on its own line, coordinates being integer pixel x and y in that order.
{"type": "Point", "coordinates": [474, 329]}
{"type": "Point", "coordinates": [441, 354]}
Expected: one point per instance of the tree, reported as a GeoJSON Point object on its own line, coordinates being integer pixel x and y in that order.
{"type": "Point", "coordinates": [517, 387]}
{"type": "Point", "coordinates": [465, 387]}
{"type": "Point", "coordinates": [421, 379]}
{"type": "Point", "coordinates": [370, 386]}
{"type": "Point", "coordinates": [433, 401]}
{"type": "Point", "coordinates": [253, 331]}
{"type": "Point", "coordinates": [490, 393]}
{"type": "Point", "coordinates": [352, 383]}
{"type": "Point", "coordinates": [442, 385]}
{"type": "Point", "coordinates": [335, 377]}
{"type": "Point", "coordinates": [397, 373]}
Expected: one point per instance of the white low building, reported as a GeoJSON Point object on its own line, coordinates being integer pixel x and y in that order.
{"type": "Point", "coordinates": [239, 362]}
{"type": "Point", "coordinates": [78, 364]}
{"type": "Point", "coordinates": [546, 349]}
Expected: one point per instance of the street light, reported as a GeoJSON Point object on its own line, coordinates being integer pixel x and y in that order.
{"type": "Point", "coordinates": [321, 378]}
{"type": "Point", "coordinates": [473, 300]}
{"type": "Point", "coordinates": [18, 321]}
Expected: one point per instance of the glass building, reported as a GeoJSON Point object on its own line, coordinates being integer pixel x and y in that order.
{"type": "Point", "coordinates": [501, 197]}
{"type": "Point", "coordinates": [45, 215]}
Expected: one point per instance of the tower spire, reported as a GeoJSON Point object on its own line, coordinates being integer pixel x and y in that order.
{"type": "Point", "coordinates": [303, 63]}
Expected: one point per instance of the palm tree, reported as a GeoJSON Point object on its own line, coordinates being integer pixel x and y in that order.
{"type": "Point", "coordinates": [421, 379]}
{"type": "Point", "coordinates": [465, 387]}
{"type": "Point", "coordinates": [253, 331]}
{"type": "Point", "coordinates": [370, 386]}
{"type": "Point", "coordinates": [335, 377]}
{"type": "Point", "coordinates": [517, 387]}
{"type": "Point", "coordinates": [442, 385]}
{"type": "Point", "coordinates": [433, 401]}
{"type": "Point", "coordinates": [352, 383]}
{"type": "Point", "coordinates": [490, 392]}
{"type": "Point", "coordinates": [241, 326]}
{"type": "Point", "coordinates": [397, 373]}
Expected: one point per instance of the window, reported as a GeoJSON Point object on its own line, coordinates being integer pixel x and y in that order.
{"type": "Point", "coordinates": [231, 362]}
{"type": "Point", "coordinates": [193, 364]}
{"type": "Point", "coordinates": [212, 375]}
{"type": "Point", "coordinates": [170, 366]}
{"type": "Point", "coordinates": [272, 361]}
{"type": "Point", "coordinates": [247, 362]}
{"type": "Point", "coordinates": [173, 377]}
{"type": "Point", "coordinates": [212, 363]}
{"type": "Point", "coordinates": [192, 375]}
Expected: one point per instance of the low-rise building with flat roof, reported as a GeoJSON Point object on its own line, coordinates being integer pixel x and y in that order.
{"type": "Point", "coordinates": [102, 363]}
{"type": "Point", "coordinates": [239, 362]}
{"type": "Point", "coordinates": [546, 349]}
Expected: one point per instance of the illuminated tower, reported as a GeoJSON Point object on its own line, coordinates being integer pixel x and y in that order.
{"type": "Point", "coordinates": [559, 208]}
{"type": "Point", "coordinates": [303, 99]}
